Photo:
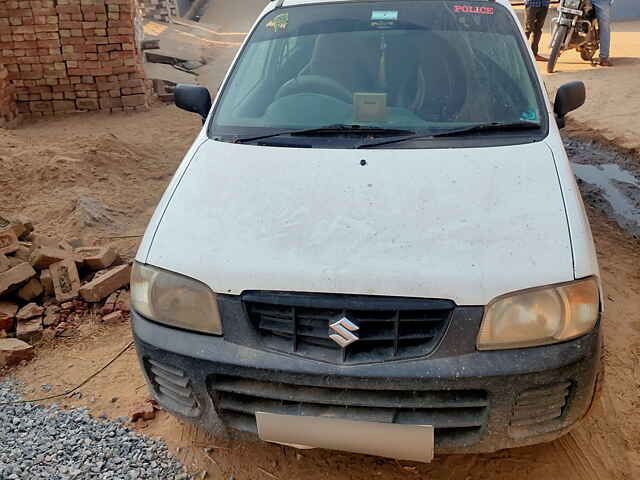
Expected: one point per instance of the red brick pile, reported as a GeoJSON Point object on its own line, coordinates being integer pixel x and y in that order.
{"type": "Point", "coordinates": [8, 107]}
{"type": "Point", "coordinates": [72, 55]}
{"type": "Point", "coordinates": [160, 10]}
{"type": "Point", "coordinates": [47, 284]}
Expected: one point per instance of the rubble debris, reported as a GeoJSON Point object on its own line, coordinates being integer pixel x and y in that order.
{"type": "Point", "coordinates": [29, 311]}
{"type": "Point", "coordinates": [110, 304]}
{"type": "Point", "coordinates": [66, 280]}
{"type": "Point", "coordinates": [44, 301]}
{"type": "Point", "coordinates": [29, 331]}
{"type": "Point", "coordinates": [105, 284]}
{"type": "Point", "coordinates": [123, 301]}
{"type": "Point", "coordinates": [15, 276]}
{"type": "Point", "coordinates": [97, 258]}
{"type": "Point", "coordinates": [115, 317]}
{"type": "Point", "coordinates": [31, 290]}
{"type": "Point", "coordinates": [51, 316]}
{"type": "Point", "coordinates": [8, 241]}
{"type": "Point", "coordinates": [13, 351]}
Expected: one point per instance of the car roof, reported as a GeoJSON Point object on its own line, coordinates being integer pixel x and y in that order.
{"type": "Point", "coordinates": [288, 3]}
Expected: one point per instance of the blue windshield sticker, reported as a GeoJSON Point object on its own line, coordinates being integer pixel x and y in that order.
{"type": "Point", "coordinates": [529, 116]}
{"type": "Point", "coordinates": [384, 15]}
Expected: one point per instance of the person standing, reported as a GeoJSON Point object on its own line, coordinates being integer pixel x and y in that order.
{"type": "Point", "coordinates": [603, 14]}
{"type": "Point", "coordinates": [535, 13]}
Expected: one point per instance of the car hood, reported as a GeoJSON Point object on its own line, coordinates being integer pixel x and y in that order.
{"type": "Point", "coordinates": [461, 224]}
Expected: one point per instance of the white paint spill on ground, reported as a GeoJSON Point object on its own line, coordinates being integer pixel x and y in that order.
{"type": "Point", "coordinates": [616, 185]}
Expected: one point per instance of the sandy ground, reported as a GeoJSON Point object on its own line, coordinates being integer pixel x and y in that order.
{"type": "Point", "coordinates": [613, 94]}
{"type": "Point", "coordinates": [100, 177]}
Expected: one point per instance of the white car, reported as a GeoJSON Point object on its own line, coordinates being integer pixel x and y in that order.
{"type": "Point", "coordinates": [376, 242]}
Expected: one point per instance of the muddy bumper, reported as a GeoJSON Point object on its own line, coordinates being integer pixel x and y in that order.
{"type": "Point", "coordinates": [476, 401]}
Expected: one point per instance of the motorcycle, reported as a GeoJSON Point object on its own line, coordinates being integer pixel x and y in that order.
{"type": "Point", "coordinates": [575, 27]}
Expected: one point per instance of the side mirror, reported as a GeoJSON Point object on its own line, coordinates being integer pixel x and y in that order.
{"type": "Point", "coordinates": [193, 98]}
{"type": "Point", "coordinates": [569, 97]}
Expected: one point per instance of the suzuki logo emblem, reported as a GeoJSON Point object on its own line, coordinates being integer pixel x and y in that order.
{"type": "Point", "coordinates": [344, 329]}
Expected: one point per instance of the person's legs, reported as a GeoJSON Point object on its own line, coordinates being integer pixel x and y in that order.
{"type": "Point", "coordinates": [541, 16]}
{"type": "Point", "coordinates": [603, 12]}
{"type": "Point", "coordinates": [529, 18]}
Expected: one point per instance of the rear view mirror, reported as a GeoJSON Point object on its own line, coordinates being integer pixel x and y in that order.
{"type": "Point", "coordinates": [193, 98]}
{"type": "Point", "coordinates": [569, 97]}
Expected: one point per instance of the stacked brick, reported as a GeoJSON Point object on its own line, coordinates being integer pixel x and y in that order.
{"type": "Point", "coordinates": [8, 107]}
{"type": "Point", "coordinates": [72, 55]}
{"type": "Point", "coordinates": [160, 10]}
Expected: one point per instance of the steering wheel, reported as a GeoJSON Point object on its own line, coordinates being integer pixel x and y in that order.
{"type": "Point", "coordinates": [315, 84]}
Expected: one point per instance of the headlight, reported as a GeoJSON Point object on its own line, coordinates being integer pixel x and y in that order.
{"type": "Point", "coordinates": [172, 299]}
{"type": "Point", "coordinates": [575, 4]}
{"type": "Point", "coordinates": [540, 316]}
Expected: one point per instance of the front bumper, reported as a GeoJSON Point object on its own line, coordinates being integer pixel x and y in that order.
{"type": "Point", "coordinates": [477, 401]}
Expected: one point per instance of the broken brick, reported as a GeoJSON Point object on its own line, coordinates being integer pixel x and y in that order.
{"type": "Point", "coordinates": [97, 258]}
{"type": "Point", "coordinates": [29, 331]}
{"type": "Point", "coordinates": [110, 304]}
{"type": "Point", "coordinates": [46, 281]}
{"type": "Point", "coordinates": [14, 351]}
{"type": "Point", "coordinates": [143, 411]}
{"type": "Point", "coordinates": [51, 316]}
{"type": "Point", "coordinates": [29, 311]}
{"type": "Point", "coordinates": [43, 257]}
{"type": "Point", "coordinates": [66, 281]}
{"type": "Point", "coordinates": [8, 312]}
{"type": "Point", "coordinates": [8, 241]}
{"type": "Point", "coordinates": [115, 317]}
{"type": "Point", "coordinates": [15, 276]}
{"type": "Point", "coordinates": [123, 301]}
{"type": "Point", "coordinates": [105, 284]}
{"type": "Point", "coordinates": [32, 289]}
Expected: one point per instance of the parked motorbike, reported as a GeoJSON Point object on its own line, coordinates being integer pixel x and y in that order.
{"type": "Point", "coordinates": [575, 27]}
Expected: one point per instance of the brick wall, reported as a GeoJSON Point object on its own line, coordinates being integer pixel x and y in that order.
{"type": "Point", "coordinates": [72, 55]}
{"type": "Point", "coordinates": [8, 107]}
{"type": "Point", "coordinates": [161, 10]}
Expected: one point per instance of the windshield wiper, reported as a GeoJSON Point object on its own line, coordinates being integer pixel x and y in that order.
{"type": "Point", "coordinates": [337, 129]}
{"type": "Point", "coordinates": [482, 127]}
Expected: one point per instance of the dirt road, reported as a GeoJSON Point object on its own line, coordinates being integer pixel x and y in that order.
{"type": "Point", "coordinates": [101, 176]}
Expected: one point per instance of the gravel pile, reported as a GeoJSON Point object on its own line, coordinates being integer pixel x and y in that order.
{"type": "Point", "coordinates": [39, 442]}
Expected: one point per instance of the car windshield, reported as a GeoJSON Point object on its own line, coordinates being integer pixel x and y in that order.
{"type": "Point", "coordinates": [422, 66]}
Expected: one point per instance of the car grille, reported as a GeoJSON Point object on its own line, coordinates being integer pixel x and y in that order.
{"type": "Point", "coordinates": [457, 416]}
{"type": "Point", "coordinates": [388, 328]}
{"type": "Point", "coordinates": [540, 408]}
{"type": "Point", "coordinates": [171, 385]}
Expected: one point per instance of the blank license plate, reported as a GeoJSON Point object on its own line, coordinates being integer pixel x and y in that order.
{"type": "Point", "coordinates": [403, 442]}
